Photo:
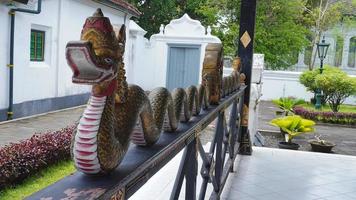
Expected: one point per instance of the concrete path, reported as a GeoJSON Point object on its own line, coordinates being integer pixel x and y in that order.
{"type": "Point", "coordinates": [20, 129]}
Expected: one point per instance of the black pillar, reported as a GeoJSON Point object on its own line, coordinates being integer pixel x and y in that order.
{"type": "Point", "coordinates": [245, 52]}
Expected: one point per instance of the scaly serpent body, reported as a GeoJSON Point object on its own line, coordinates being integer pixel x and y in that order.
{"type": "Point", "coordinates": [117, 113]}
{"type": "Point", "coordinates": [118, 121]}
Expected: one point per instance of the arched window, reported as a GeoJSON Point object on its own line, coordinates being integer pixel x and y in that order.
{"type": "Point", "coordinates": [352, 53]}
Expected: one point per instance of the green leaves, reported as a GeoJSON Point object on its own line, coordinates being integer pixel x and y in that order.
{"type": "Point", "coordinates": [282, 27]}
{"type": "Point", "coordinates": [280, 35]}
{"type": "Point", "coordinates": [155, 13]}
{"type": "Point", "coordinates": [336, 86]}
{"type": "Point", "coordinates": [287, 103]}
{"type": "Point", "coordinates": [307, 78]}
{"type": "Point", "coordinates": [293, 125]}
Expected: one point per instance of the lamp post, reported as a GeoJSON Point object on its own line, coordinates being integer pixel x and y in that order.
{"type": "Point", "coordinates": [322, 48]}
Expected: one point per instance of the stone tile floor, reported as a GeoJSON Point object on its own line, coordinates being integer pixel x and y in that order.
{"type": "Point", "coordinates": [274, 174]}
{"type": "Point", "coordinates": [270, 174]}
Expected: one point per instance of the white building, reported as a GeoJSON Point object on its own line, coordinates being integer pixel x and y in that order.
{"type": "Point", "coordinates": [171, 58]}
{"type": "Point", "coordinates": [341, 52]}
{"type": "Point", "coordinates": [42, 79]}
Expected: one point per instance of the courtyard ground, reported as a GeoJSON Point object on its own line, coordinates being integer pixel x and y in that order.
{"type": "Point", "coordinates": [344, 137]}
{"type": "Point", "coordinates": [314, 176]}
{"type": "Point", "coordinates": [20, 129]}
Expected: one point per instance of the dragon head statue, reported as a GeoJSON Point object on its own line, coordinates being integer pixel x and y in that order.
{"type": "Point", "coordinates": [97, 59]}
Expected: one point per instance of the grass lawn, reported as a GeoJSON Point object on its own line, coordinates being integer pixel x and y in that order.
{"type": "Point", "coordinates": [39, 181]}
{"type": "Point", "coordinates": [343, 108]}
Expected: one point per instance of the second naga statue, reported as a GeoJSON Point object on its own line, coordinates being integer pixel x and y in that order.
{"type": "Point", "coordinates": [118, 113]}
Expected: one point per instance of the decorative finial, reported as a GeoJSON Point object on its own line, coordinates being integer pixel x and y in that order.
{"type": "Point", "coordinates": [161, 29]}
{"type": "Point", "coordinates": [208, 30]}
{"type": "Point", "coordinates": [98, 13]}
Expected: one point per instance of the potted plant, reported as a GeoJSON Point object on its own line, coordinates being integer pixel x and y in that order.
{"type": "Point", "coordinates": [293, 125]}
{"type": "Point", "coordinates": [286, 104]}
{"type": "Point", "coordinates": [319, 145]}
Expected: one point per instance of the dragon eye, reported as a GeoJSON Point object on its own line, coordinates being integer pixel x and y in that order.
{"type": "Point", "coordinates": [108, 60]}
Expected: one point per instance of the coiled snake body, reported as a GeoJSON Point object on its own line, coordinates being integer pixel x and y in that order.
{"type": "Point", "coordinates": [110, 120]}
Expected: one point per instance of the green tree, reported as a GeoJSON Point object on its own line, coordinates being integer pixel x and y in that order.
{"type": "Point", "coordinates": [155, 13]}
{"type": "Point", "coordinates": [322, 15]}
{"type": "Point", "coordinates": [223, 16]}
{"type": "Point", "coordinates": [280, 33]}
{"type": "Point", "coordinates": [307, 78]}
{"type": "Point", "coordinates": [336, 86]}
{"type": "Point", "coordinates": [334, 83]}
{"type": "Point", "coordinates": [281, 26]}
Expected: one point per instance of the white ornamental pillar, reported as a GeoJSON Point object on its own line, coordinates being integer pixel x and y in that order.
{"type": "Point", "coordinates": [330, 58]}
{"type": "Point", "coordinates": [345, 52]}
{"type": "Point", "coordinates": [301, 64]}
{"type": "Point", "coordinates": [256, 92]}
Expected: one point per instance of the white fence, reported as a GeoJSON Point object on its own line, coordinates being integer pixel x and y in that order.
{"type": "Point", "coordinates": [276, 84]}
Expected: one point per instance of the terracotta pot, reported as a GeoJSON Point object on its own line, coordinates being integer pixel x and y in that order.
{"type": "Point", "coordinates": [288, 145]}
{"type": "Point", "coordinates": [318, 147]}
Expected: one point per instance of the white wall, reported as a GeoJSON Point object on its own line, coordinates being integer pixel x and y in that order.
{"type": "Point", "coordinates": [276, 84]}
{"type": "Point", "coordinates": [149, 65]}
{"type": "Point", "coordinates": [76, 12]}
{"type": "Point", "coordinates": [4, 47]}
{"type": "Point", "coordinates": [62, 20]}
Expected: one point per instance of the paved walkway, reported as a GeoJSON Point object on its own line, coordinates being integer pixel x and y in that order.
{"type": "Point", "coordinates": [274, 174]}
{"type": "Point", "coordinates": [24, 128]}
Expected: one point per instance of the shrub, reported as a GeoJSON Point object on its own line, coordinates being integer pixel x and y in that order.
{"type": "Point", "coordinates": [19, 160]}
{"type": "Point", "coordinates": [327, 117]}
{"type": "Point", "coordinates": [335, 84]}
{"type": "Point", "coordinates": [336, 87]}
{"type": "Point", "coordinates": [287, 104]}
{"type": "Point", "coordinates": [307, 78]}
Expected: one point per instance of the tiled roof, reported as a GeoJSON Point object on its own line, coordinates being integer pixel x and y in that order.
{"type": "Point", "coordinates": [132, 9]}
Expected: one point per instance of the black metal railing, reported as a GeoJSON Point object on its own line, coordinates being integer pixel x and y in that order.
{"type": "Point", "coordinates": [140, 163]}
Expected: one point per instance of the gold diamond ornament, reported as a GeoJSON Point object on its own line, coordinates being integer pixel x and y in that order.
{"type": "Point", "coordinates": [245, 39]}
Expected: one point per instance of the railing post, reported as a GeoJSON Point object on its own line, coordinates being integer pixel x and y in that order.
{"type": "Point", "coordinates": [188, 168]}
{"type": "Point", "coordinates": [245, 52]}
{"type": "Point", "coordinates": [219, 151]}
{"type": "Point", "coordinates": [191, 172]}
{"type": "Point", "coordinates": [233, 132]}
{"type": "Point", "coordinates": [239, 119]}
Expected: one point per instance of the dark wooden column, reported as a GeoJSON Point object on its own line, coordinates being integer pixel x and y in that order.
{"type": "Point", "coordinates": [245, 52]}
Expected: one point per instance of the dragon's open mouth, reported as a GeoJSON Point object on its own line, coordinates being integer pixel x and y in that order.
{"type": "Point", "coordinates": [87, 67]}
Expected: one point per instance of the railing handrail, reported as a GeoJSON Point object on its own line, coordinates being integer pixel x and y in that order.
{"type": "Point", "coordinates": [139, 164]}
